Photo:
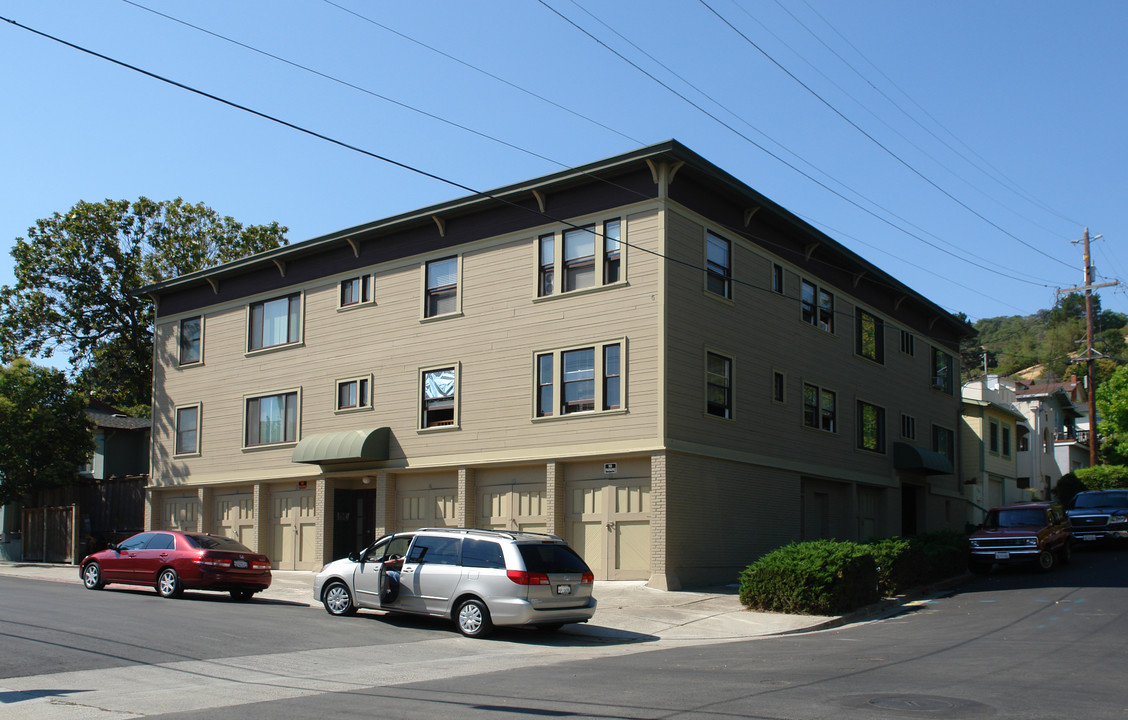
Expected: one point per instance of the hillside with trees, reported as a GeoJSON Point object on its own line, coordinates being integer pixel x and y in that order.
{"type": "Point", "coordinates": [1042, 346]}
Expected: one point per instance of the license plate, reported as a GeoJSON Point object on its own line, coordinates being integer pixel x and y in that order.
{"type": "Point", "coordinates": [240, 563]}
{"type": "Point", "coordinates": [563, 589]}
{"type": "Point", "coordinates": [1088, 537]}
{"type": "Point", "coordinates": [1002, 556]}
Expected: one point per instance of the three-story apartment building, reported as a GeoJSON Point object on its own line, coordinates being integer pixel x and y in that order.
{"type": "Point", "coordinates": [642, 355]}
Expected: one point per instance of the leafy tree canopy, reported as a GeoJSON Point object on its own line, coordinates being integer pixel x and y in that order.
{"type": "Point", "coordinates": [1112, 407]}
{"type": "Point", "coordinates": [76, 273]}
{"type": "Point", "coordinates": [45, 436]}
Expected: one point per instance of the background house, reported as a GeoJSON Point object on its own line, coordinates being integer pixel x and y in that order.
{"type": "Point", "coordinates": [993, 429]}
{"type": "Point", "coordinates": [626, 354]}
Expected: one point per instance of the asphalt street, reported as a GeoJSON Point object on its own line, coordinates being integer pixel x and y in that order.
{"type": "Point", "coordinates": [1012, 644]}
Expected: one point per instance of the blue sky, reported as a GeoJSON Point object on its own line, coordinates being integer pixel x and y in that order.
{"type": "Point", "coordinates": [960, 146]}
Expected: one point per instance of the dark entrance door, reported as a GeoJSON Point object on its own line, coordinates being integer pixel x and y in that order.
{"type": "Point", "coordinates": [909, 506]}
{"type": "Point", "coordinates": [354, 520]}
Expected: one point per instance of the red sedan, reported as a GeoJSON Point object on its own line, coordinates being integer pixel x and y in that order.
{"type": "Point", "coordinates": [174, 561]}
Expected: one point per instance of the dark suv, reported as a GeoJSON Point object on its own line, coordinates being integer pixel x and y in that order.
{"type": "Point", "coordinates": [1099, 515]}
{"type": "Point", "coordinates": [1023, 533]}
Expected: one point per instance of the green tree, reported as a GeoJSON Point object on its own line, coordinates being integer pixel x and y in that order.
{"type": "Point", "coordinates": [45, 436]}
{"type": "Point", "coordinates": [1112, 407]}
{"type": "Point", "coordinates": [76, 273]}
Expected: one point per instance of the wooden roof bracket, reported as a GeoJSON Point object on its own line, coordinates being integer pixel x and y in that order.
{"type": "Point", "coordinates": [281, 265]}
{"type": "Point", "coordinates": [441, 224]}
{"type": "Point", "coordinates": [542, 199]}
{"type": "Point", "coordinates": [355, 245]}
{"type": "Point", "coordinates": [809, 250]}
{"type": "Point", "coordinates": [663, 174]}
{"type": "Point", "coordinates": [214, 282]}
{"type": "Point", "coordinates": [749, 213]}
{"type": "Point", "coordinates": [858, 277]}
{"type": "Point", "coordinates": [899, 301]}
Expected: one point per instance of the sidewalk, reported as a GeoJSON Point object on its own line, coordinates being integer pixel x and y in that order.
{"type": "Point", "coordinates": [626, 609]}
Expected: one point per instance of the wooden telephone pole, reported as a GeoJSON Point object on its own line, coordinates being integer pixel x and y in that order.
{"type": "Point", "coordinates": [1090, 353]}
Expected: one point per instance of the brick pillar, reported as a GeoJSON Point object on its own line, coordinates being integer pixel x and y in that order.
{"type": "Point", "coordinates": [385, 502]}
{"type": "Point", "coordinates": [150, 501]}
{"type": "Point", "coordinates": [206, 520]}
{"type": "Point", "coordinates": [323, 500]}
{"type": "Point", "coordinates": [554, 498]}
{"type": "Point", "coordinates": [662, 576]}
{"type": "Point", "coordinates": [466, 506]}
{"type": "Point", "coordinates": [260, 495]}
{"type": "Point", "coordinates": [202, 494]}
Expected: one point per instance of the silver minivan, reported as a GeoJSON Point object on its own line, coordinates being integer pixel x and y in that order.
{"type": "Point", "coordinates": [478, 578]}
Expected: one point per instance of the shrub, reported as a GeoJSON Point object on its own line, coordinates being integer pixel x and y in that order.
{"type": "Point", "coordinates": [900, 563]}
{"type": "Point", "coordinates": [945, 554]}
{"type": "Point", "coordinates": [821, 577]}
{"type": "Point", "coordinates": [1068, 486]}
{"type": "Point", "coordinates": [1103, 477]}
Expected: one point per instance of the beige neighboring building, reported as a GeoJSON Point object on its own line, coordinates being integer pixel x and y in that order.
{"type": "Point", "coordinates": [642, 355]}
{"type": "Point", "coordinates": [994, 432]}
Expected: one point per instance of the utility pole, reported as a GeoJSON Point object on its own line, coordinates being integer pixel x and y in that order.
{"type": "Point", "coordinates": [1090, 353]}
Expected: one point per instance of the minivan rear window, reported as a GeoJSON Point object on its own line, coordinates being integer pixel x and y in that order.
{"type": "Point", "coordinates": [551, 558]}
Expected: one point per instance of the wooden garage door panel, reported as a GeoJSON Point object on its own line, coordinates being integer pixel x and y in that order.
{"type": "Point", "coordinates": [633, 549]}
{"type": "Point", "coordinates": [587, 540]}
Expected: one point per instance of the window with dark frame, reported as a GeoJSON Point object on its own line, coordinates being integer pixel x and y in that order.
{"type": "Point", "coordinates": [908, 427]}
{"type": "Point", "coordinates": [993, 436]}
{"type": "Point", "coordinates": [546, 274]}
{"type": "Point", "coordinates": [611, 377]}
{"type": "Point", "coordinates": [871, 427]}
{"type": "Point", "coordinates": [544, 385]}
{"type": "Point", "coordinates": [442, 287]}
{"type": "Point", "coordinates": [577, 381]}
{"type": "Point", "coordinates": [869, 336]}
{"type": "Point", "coordinates": [817, 306]}
{"type": "Point", "coordinates": [819, 408]}
{"type": "Point", "coordinates": [187, 430]}
{"type": "Point", "coordinates": [779, 387]}
{"type": "Point", "coordinates": [612, 251]}
{"type": "Point", "coordinates": [908, 343]}
{"type": "Point", "coordinates": [1006, 442]}
{"type": "Point", "coordinates": [718, 385]}
{"type": "Point", "coordinates": [272, 419]}
{"type": "Point", "coordinates": [352, 394]}
{"type": "Point", "coordinates": [943, 442]}
{"type": "Point", "coordinates": [438, 397]}
{"type": "Point", "coordinates": [777, 278]}
{"type": "Point", "coordinates": [191, 340]}
{"type": "Point", "coordinates": [356, 290]}
{"type": "Point", "coordinates": [275, 322]}
{"type": "Point", "coordinates": [718, 265]}
{"type": "Point", "coordinates": [942, 371]}
{"type": "Point", "coordinates": [566, 380]}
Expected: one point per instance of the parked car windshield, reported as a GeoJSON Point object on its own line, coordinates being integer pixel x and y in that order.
{"type": "Point", "coordinates": [215, 542]}
{"type": "Point", "coordinates": [1024, 517]}
{"type": "Point", "coordinates": [1102, 499]}
{"type": "Point", "coordinates": [551, 558]}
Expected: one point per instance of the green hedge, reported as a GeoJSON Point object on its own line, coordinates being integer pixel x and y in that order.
{"type": "Point", "coordinates": [822, 577]}
{"type": "Point", "coordinates": [827, 577]}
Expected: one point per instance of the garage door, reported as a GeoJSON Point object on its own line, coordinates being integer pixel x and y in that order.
{"type": "Point", "coordinates": [294, 530]}
{"type": "Point", "coordinates": [513, 507]}
{"type": "Point", "coordinates": [428, 508]}
{"type": "Point", "coordinates": [235, 518]}
{"type": "Point", "coordinates": [610, 527]}
{"type": "Point", "coordinates": [180, 513]}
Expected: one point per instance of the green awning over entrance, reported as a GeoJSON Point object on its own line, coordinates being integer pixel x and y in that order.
{"type": "Point", "coordinates": [916, 459]}
{"type": "Point", "coordinates": [345, 446]}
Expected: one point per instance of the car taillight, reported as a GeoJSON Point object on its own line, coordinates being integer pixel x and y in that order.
{"type": "Point", "coordinates": [262, 565]}
{"type": "Point", "coordinates": [587, 578]}
{"type": "Point", "coordinates": [213, 562]}
{"type": "Point", "coordinates": [521, 577]}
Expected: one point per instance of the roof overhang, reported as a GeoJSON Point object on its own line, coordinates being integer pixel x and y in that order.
{"type": "Point", "coordinates": [911, 458]}
{"type": "Point", "coordinates": [344, 446]}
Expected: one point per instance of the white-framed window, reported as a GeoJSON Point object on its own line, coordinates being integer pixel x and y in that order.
{"type": "Point", "coordinates": [718, 265]}
{"type": "Point", "coordinates": [585, 379]}
{"type": "Point", "coordinates": [274, 322]}
{"type": "Point", "coordinates": [191, 340]}
{"type": "Point", "coordinates": [580, 258]}
{"type": "Point", "coordinates": [718, 385]}
{"type": "Point", "coordinates": [271, 419]}
{"type": "Point", "coordinates": [818, 306]}
{"type": "Point", "coordinates": [438, 397]}
{"type": "Point", "coordinates": [187, 430]}
{"type": "Point", "coordinates": [871, 427]}
{"type": "Point", "coordinates": [355, 291]}
{"type": "Point", "coordinates": [354, 393]}
{"type": "Point", "coordinates": [441, 287]}
{"type": "Point", "coordinates": [869, 336]}
{"type": "Point", "coordinates": [820, 408]}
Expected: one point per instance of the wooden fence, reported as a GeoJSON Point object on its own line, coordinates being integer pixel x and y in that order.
{"type": "Point", "coordinates": [50, 534]}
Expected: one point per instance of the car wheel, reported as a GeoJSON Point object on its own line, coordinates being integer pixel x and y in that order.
{"type": "Point", "coordinates": [241, 595]}
{"type": "Point", "coordinates": [1046, 560]}
{"type": "Point", "coordinates": [473, 619]}
{"type": "Point", "coordinates": [1066, 554]}
{"type": "Point", "coordinates": [168, 584]}
{"type": "Point", "coordinates": [337, 599]}
{"type": "Point", "coordinates": [92, 576]}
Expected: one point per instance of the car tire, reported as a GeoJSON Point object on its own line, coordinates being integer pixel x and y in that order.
{"type": "Point", "coordinates": [1046, 560]}
{"type": "Point", "coordinates": [168, 584]}
{"type": "Point", "coordinates": [1065, 555]}
{"type": "Point", "coordinates": [92, 576]}
{"type": "Point", "coordinates": [337, 599]}
{"type": "Point", "coordinates": [242, 595]}
{"type": "Point", "coordinates": [473, 618]}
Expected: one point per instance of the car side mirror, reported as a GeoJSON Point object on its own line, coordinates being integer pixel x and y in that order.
{"type": "Point", "coordinates": [355, 557]}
